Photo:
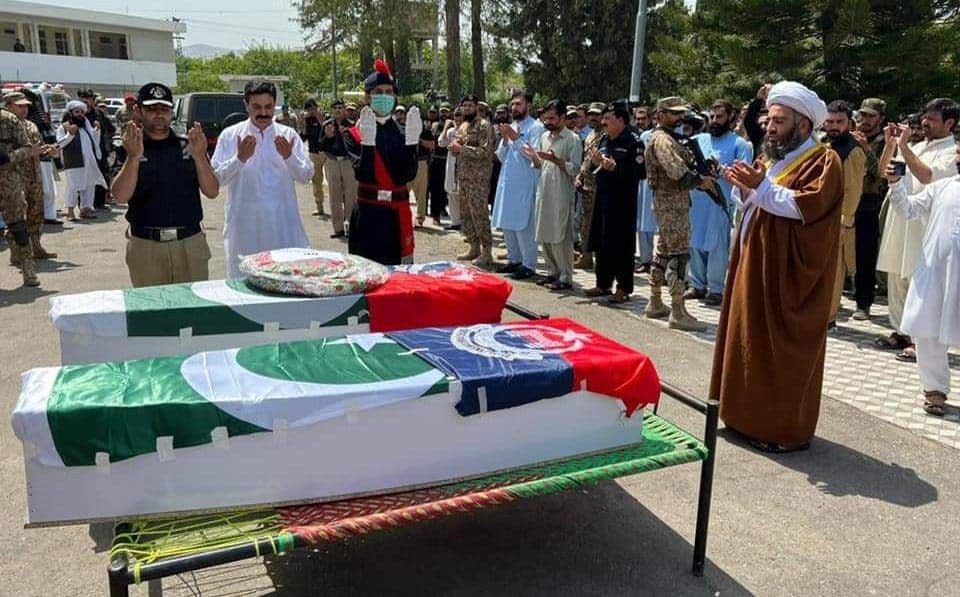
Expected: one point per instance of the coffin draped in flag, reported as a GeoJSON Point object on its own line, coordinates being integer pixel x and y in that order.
{"type": "Point", "coordinates": [323, 418]}
{"type": "Point", "coordinates": [184, 318]}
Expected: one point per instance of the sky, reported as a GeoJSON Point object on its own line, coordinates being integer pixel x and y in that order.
{"type": "Point", "coordinates": [231, 24]}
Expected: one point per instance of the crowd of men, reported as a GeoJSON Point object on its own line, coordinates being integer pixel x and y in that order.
{"type": "Point", "coordinates": [587, 185]}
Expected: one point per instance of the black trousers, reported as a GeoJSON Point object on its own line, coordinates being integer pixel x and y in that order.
{"type": "Point", "coordinates": [435, 190]}
{"type": "Point", "coordinates": [613, 265]}
{"type": "Point", "coordinates": [867, 245]}
{"type": "Point", "coordinates": [494, 179]}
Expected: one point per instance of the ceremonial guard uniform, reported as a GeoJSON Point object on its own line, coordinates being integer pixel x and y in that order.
{"type": "Point", "coordinates": [385, 161]}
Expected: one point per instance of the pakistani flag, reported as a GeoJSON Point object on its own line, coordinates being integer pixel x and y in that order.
{"type": "Point", "coordinates": [70, 414]}
{"type": "Point", "coordinates": [208, 308]}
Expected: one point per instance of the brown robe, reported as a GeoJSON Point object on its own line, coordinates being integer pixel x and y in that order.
{"type": "Point", "coordinates": [772, 336]}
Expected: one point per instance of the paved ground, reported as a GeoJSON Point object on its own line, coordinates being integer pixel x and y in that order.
{"type": "Point", "coordinates": [871, 509]}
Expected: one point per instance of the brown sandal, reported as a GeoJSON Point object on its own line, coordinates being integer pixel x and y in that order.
{"type": "Point", "coordinates": [935, 403]}
{"type": "Point", "coordinates": [619, 298]}
{"type": "Point", "coordinates": [894, 341]}
{"type": "Point", "coordinates": [595, 292]}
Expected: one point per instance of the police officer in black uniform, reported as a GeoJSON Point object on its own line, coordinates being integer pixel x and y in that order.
{"type": "Point", "coordinates": [338, 169]}
{"type": "Point", "coordinates": [619, 166]}
{"type": "Point", "coordinates": [161, 180]}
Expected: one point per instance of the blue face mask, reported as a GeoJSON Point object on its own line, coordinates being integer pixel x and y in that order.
{"type": "Point", "coordinates": [383, 103]}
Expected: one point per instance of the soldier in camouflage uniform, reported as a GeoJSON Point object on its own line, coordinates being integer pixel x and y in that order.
{"type": "Point", "coordinates": [30, 177]}
{"type": "Point", "coordinates": [15, 146]}
{"type": "Point", "coordinates": [586, 184]}
{"type": "Point", "coordinates": [474, 150]}
{"type": "Point", "coordinates": [671, 177]}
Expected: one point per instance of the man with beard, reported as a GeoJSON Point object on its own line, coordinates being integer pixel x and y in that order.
{"type": "Point", "coordinates": [517, 188]}
{"type": "Point", "coordinates": [585, 182]}
{"type": "Point", "coordinates": [618, 159]}
{"type": "Point", "coordinates": [901, 244]}
{"type": "Point", "coordinates": [558, 158]}
{"type": "Point", "coordinates": [710, 223]}
{"type": "Point", "coordinates": [99, 121]}
{"type": "Point", "coordinates": [259, 160]}
{"type": "Point", "coordinates": [867, 218]}
{"type": "Point", "coordinates": [473, 148]}
{"type": "Point", "coordinates": [385, 160]}
{"type": "Point", "coordinates": [771, 340]}
{"type": "Point", "coordinates": [161, 181]}
{"type": "Point", "coordinates": [671, 175]}
{"type": "Point", "coordinates": [837, 127]}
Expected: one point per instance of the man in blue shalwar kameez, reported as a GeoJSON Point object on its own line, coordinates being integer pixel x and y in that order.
{"type": "Point", "coordinates": [710, 223]}
{"type": "Point", "coordinates": [513, 205]}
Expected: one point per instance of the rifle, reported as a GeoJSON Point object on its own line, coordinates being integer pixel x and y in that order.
{"type": "Point", "coordinates": [706, 167]}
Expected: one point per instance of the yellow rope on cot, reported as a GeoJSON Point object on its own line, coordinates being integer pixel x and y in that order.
{"type": "Point", "coordinates": [152, 540]}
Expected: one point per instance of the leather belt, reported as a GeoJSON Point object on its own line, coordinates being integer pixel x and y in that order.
{"type": "Point", "coordinates": [373, 194]}
{"type": "Point", "coordinates": [163, 235]}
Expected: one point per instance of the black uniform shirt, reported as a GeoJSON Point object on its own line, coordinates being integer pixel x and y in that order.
{"type": "Point", "coordinates": [335, 145]}
{"type": "Point", "coordinates": [313, 130]}
{"type": "Point", "coordinates": [168, 190]}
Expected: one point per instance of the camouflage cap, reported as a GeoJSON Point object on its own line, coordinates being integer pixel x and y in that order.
{"type": "Point", "coordinates": [15, 97]}
{"type": "Point", "coordinates": [672, 104]}
{"type": "Point", "coordinates": [596, 108]}
{"type": "Point", "coordinates": [874, 106]}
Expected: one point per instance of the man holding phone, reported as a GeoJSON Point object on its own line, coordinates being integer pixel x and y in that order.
{"type": "Point", "coordinates": [900, 246]}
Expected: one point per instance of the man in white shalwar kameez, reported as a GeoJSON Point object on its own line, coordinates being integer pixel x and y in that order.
{"type": "Point", "coordinates": [259, 161]}
{"type": "Point", "coordinates": [79, 143]}
{"type": "Point", "coordinates": [931, 312]}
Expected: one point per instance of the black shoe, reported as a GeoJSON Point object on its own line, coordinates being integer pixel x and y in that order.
{"type": "Point", "coordinates": [832, 327]}
{"type": "Point", "coordinates": [53, 222]}
{"type": "Point", "coordinates": [694, 294]}
{"type": "Point", "coordinates": [546, 281]}
{"type": "Point", "coordinates": [509, 268]}
{"type": "Point", "coordinates": [713, 299]}
{"type": "Point", "coordinates": [339, 234]}
{"type": "Point", "coordinates": [523, 273]}
{"type": "Point", "coordinates": [453, 227]}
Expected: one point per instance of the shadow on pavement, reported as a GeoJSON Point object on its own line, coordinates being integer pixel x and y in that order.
{"type": "Point", "coordinates": [22, 295]}
{"type": "Point", "coordinates": [839, 471]}
{"type": "Point", "coordinates": [592, 541]}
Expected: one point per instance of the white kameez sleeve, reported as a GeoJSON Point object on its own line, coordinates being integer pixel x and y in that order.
{"type": "Point", "coordinates": [775, 199]}
{"type": "Point", "coordinates": [225, 163]}
{"type": "Point", "coordinates": [912, 206]}
{"type": "Point", "coordinates": [63, 137]}
{"type": "Point", "coordinates": [299, 164]}
{"type": "Point", "coordinates": [502, 150]}
{"type": "Point", "coordinates": [572, 168]}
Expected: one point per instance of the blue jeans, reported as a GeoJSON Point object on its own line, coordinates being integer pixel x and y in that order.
{"type": "Point", "coordinates": [522, 246]}
{"type": "Point", "coordinates": [708, 270]}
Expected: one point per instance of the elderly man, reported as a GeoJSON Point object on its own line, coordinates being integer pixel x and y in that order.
{"type": "Point", "coordinates": [771, 341]}
{"type": "Point", "coordinates": [79, 143]}
{"type": "Point", "coordinates": [259, 160]}
{"type": "Point", "coordinates": [517, 188]}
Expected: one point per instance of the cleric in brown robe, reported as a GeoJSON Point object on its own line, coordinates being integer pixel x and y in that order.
{"type": "Point", "coordinates": [771, 341]}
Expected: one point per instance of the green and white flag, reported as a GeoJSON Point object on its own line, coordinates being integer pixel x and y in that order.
{"type": "Point", "coordinates": [208, 308]}
{"type": "Point", "coordinates": [66, 416]}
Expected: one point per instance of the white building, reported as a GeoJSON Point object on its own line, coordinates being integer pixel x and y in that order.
{"type": "Point", "coordinates": [111, 53]}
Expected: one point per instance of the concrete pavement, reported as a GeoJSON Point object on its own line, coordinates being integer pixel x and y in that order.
{"type": "Point", "coordinates": [871, 509]}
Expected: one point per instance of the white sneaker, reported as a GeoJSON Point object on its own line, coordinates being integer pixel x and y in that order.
{"type": "Point", "coordinates": [862, 314]}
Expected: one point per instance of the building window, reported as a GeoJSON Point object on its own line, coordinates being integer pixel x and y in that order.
{"type": "Point", "coordinates": [54, 41]}
{"type": "Point", "coordinates": [63, 47]}
{"type": "Point", "coordinates": [108, 45]}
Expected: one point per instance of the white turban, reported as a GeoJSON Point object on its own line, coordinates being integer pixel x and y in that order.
{"type": "Point", "coordinates": [799, 98]}
{"type": "Point", "coordinates": [74, 104]}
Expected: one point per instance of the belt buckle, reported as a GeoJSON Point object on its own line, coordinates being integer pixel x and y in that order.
{"type": "Point", "coordinates": [340, 158]}
{"type": "Point", "coordinates": [168, 234]}
{"type": "Point", "coordinates": [384, 195]}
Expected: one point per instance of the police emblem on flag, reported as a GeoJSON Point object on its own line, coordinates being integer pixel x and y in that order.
{"type": "Point", "coordinates": [517, 342]}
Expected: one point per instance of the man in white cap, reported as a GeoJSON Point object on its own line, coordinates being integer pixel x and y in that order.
{"type": "Point", "coordinates": [771, 340]}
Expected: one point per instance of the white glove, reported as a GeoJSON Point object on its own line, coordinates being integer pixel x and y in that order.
{"type": "Point", "coordinates": [367, 123]}
{"type": "Point", "coordinates": [414, 126]}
